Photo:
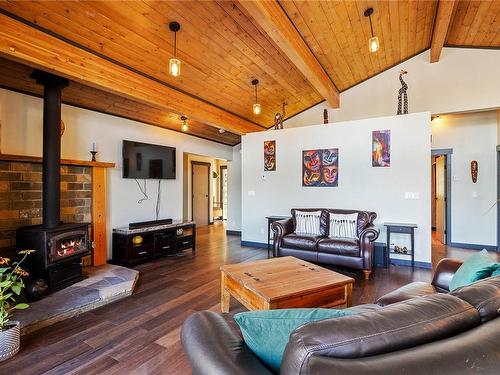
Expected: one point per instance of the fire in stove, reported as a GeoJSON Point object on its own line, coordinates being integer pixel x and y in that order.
{"type": "Point", "coordinates": [70, 247]}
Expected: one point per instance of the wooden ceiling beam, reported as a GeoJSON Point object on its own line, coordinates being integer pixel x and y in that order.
{"type": "Point", "coordinates": [37, 49]}
{"type": "Point", "coordinates": [442, 23]}
{"type": "Point", "coordinates": [274, 21]}
{"type": "Point", "coordinates": [16, 77]}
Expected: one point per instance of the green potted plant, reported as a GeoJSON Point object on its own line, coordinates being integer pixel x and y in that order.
{"type": "Point", "coordinates": [11, 285]}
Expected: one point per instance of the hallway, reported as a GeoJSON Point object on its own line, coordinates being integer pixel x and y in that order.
{"type": "Point", "coordinates": [440, 251]}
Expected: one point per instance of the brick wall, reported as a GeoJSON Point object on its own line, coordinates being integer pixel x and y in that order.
{"type": "Point", "coordinates": [21, 197]}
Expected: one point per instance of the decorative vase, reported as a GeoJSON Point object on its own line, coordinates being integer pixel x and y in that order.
{"type": "Point", "coordinates": [10, 339]}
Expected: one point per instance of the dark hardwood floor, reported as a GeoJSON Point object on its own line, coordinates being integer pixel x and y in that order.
{"type": "Point", "coordinates": [440, 251]}
{"type": "Point", "coordinates": [140, 334]}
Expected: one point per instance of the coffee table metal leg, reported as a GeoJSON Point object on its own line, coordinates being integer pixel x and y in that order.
{"type": "Point", "coordinates": [224, 294]}
{"type": "Point", "coordinates": [348, 295]}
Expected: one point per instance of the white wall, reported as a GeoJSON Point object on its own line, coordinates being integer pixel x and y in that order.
{"type": "Point", "coordinates": [360, 185]}
{"type": "Point", "coordinates": [472, 136]}
{"type": "Point", "coordinates": [21, 133]}
{"type": "Point", "coordinates": [234, 191]}
{"type": "Point", "coordinates": [463, 80]}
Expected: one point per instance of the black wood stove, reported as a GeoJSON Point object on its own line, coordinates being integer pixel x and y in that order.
{"type": "Point", "coordinates": [59, 246]}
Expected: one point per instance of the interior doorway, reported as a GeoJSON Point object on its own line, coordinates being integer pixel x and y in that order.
{"type": "Point", "coordinates": [223, 190]}
{"type": "Point", "coordinates": [441, 195]}
{"type": "Point", "coordinates": [200, 188]}
{"type": "Point", "coordinates": [439, 210]}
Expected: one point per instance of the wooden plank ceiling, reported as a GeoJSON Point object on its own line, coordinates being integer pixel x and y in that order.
{"type": "Point", "coordinates": [338, 33]}
{"type": "Point", "coordinates": [475, 24]}
{"type": "Point", "coordinates": [222, 48]}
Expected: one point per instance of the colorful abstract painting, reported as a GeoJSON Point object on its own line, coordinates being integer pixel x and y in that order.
{"type": "Point", "coordinates": [381, 148]}
{"type": "Point", "coordinates": [320, 167]}
{"type": "Point", "coordinates": [269, 155]}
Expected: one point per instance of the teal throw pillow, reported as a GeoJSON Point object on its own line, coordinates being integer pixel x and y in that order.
{"type": "Point", "coordinates": [476, 267]}
{"type": "Point", "coordinates": [497, 272]}
{"type": "Point", "coordinates": [267, 332]}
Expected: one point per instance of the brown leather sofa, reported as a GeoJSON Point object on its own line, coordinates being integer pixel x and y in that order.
{"type": "Point", "coordinates": [420, 328]}
{"type": "Point", "coordinates": [356, 253]}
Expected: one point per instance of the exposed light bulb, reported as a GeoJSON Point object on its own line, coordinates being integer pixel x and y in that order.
{"type": "Point", "coordinates": [436, 119]}
{"type": "Point", "coordinates": [256, 109]}
{"type": "Point", "coordinates": [175, 67]}
{"type": "Point", "coordinates": [184, 126]}
{"type": "Point", "coordinates": [222, 131]}
{"type": "Point", "coordinates": [373, 44]}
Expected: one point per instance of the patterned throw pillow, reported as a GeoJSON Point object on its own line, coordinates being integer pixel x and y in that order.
{"type": "Point", "coordinates": [307, 222]}
{"type": "Point", "coordinates": [343, 226]}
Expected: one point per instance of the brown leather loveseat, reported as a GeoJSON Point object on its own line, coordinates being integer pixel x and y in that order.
{"type": "Point", "coordinates": [356, 253]}
{"type": "Point", "coordinates": [421, 328]}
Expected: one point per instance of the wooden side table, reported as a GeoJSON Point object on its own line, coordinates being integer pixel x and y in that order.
{"type": "Point", "coordinates": [400, 228]}
{"type": "Point", "coordinates": [270, 220]}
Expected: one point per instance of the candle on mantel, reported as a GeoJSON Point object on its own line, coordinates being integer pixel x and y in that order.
{"type": "Point", "coordinates": [93, 146]}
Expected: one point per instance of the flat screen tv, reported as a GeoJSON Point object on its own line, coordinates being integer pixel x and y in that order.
{"type": "Point", "coordinates": [143, 160]}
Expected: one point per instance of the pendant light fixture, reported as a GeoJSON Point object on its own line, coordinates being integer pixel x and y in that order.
{"type": "Point", "coordinates": [256, 106]}
{"type": "Point", "coordinates": [185, 126]}
{"type": "Point", "coordinates": [174, 66]}
{"type": "Point", "coordinates": [373, 43]}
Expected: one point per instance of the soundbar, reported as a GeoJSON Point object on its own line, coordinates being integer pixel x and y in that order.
{"type": "Point", "coordinates": [152, 223]}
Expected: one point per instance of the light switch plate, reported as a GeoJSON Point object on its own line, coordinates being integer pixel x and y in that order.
{"type": "Point", "coordinates": [412, 195]}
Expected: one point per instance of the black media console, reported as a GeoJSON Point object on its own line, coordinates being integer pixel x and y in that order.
{"type": "Point", "coordinates": [138, 245]}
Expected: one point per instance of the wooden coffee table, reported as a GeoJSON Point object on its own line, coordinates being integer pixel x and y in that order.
{"type": "Point", "coordinates": [286, 282]}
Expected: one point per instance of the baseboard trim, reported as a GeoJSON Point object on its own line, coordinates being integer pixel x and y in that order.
{"type": "Point", "coordinates": [254, 244]}
{"type": "Point", "coordinates": [233, 233]}
{"type": "Point", "coordinates": [473, 246]}
{"type": "Point", "coordinates": [407, 263]}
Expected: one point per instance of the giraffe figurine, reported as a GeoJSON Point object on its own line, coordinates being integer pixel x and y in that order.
{"type": "Point", "coordinates": [279, 117]}
{"type": "Point", "coordinates": [402, 94]}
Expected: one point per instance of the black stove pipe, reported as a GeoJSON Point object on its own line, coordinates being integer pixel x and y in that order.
{"type": "Point", "coordinates": [53, 86]}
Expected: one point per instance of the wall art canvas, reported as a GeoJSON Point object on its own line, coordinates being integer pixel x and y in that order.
{"type": "Point", "coordinates": [269, 156]}
{"type": "Point", "coordinates": [381, 148]}
{"type": "Point", "coordinates": [320, 167]}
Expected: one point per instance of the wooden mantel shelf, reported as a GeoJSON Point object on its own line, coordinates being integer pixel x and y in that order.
{"type": "Point", "coordinates": [37, 159]}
